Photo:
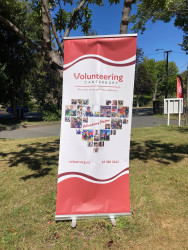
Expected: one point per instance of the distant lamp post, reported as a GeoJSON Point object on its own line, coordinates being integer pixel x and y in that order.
{"type": "Point", "coordinates": [166, 88]}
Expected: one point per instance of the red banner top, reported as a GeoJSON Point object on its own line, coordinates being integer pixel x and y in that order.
{"type": "Point", "coordinates": [122, 49]}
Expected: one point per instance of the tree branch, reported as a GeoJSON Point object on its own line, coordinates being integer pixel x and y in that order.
{"type": "Point", "coordinates": [67, 31]}
{"type": "Point", "coordinates": [20, 34]}
{"type": "Point", "coordinates": [180, 10]}
{"type": "Point", "coordinates": [53, 28]}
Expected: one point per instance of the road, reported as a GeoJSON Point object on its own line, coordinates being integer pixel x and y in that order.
{"type": "Point", "coordinates": [141, 118]}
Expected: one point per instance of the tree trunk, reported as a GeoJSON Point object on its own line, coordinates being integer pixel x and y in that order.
{"type": "Point", "coordinates": [187, 102]}
{"type": "Point", "coordinates": [13, 102]}
{"type": "Point", "coordinates": [155, 90]}
{"type": "Point", "coordinates": [20, 111]}
{"type": "Point", "coordinates": [137, 101]}
{"type": "Point", "coordinates": [50, 54]}
{"type": "Point", "coordinates": [125, 16]}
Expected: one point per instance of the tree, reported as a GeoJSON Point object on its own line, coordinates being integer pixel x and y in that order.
{"type": "Point", "coordinates": [52, 26]}
{"type": "Point", "coordinates": [17, 60]}
{"type": "Point", "coordinates": [143, 83]}
{"type": "Point", "coordinates": [156, 71]}
{"type": "Point", "coordinates": [164, 10]}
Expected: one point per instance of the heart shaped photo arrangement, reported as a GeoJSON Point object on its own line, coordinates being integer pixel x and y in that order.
{"type": "Point", "coordinates": [79, 112]}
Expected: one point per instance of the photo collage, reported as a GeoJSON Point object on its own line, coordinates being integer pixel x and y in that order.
{"type": "Point", "coordinates": [80, 110]}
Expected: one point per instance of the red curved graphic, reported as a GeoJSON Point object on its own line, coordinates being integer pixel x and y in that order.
{"type": "Point", "coordinates": [77, 196]}
{"type": "Point", "coordinates": [91, 177]}
{"type": "Point", "coordinates": [116, 48]}
{"type": "Point", "coordinates": [101, 60]}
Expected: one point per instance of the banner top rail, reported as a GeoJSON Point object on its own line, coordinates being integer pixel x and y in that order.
{"type": "Point", "coordinates": [100, 36]}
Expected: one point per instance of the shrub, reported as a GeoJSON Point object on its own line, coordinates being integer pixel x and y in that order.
{"type": "Point", "coordinates": [51, 116]}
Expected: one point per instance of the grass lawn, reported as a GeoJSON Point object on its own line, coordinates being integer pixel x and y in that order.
{"type": "Point", "coordinates": [158, 191]}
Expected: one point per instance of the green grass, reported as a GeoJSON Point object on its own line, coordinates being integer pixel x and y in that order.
{"type": "Point", "coordinates": [158, 191]}
{"type": "Point", "coordinates": [172, 116]}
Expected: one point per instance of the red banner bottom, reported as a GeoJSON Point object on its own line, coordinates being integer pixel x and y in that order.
{"type": "Point", "coordinates": [78, 196]}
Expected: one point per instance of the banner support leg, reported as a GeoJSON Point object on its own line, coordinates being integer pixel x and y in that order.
{"type": "Point", "coordinates": [113, 220]}
{"type": "Point", "coordinates": [73, 224]}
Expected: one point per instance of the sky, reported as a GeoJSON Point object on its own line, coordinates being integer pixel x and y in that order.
{"type": "Point", "coordinates": [159, 35]}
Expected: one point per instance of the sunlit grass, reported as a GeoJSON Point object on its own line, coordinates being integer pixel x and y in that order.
{"type": "Point", "coordinates": [158, 191]}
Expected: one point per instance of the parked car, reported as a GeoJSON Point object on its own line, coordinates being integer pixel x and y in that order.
{"type": "Point", "coordinates": [24, 109]}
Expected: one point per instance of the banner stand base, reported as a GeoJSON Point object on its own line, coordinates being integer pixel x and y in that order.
{"type": "Point", "coordinates": [73, 224]}
{"type": "Point", "coordinates": [113, 220]}
{"type": "Point", "coordinates": [75, 217]}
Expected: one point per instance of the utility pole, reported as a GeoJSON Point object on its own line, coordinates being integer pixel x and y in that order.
{"type": "Point", "coordinates": [166, 88]}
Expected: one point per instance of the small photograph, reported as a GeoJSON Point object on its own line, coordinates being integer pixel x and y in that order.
{"type": "Point", "coordinates": [96, 132]}
{"type": "Point", "coordinates": [87, 135]}
{"type": "Point", "coordinates": [120, 104]}
{"type": "Point", "coordinates": [113, 132]}
{"type": "Point", "coordinates": [79, 113]}
{"type": "Point", "coordinates": [101, 144]}
{"type": "Point", "coordinates": [114, 103]}
{"type": "Point", "coordinates": [70, 110]}
{"type": "Point", "coordinates": [78, 131]}
{"type": "Point", "coordinates": [79, 101]}
{"type": "Point", "coordinates": [105, 135]}
{"type": "Point", "coordinates": [105, 111]}
{"type": "Point", "coordinates": [96, 138]}
{"type": "Point", "coordinates": [85, 102]}
{"type": "Point", "coordinates": [95, 150]}
{"type": "Point", "coordinates": [67, 119]}
{"type": "Point", "coordinates": [96, 114]}
{"type": "Point", "coordinates": [85, 119]}
{"type": "Point", "coordinates": [108, 102]}
{"type": "Point", "coordinates": [76, 122]}
{"type": "Point", "coordinates": [73, 101]}
{"type": "Point", "coordinates": [113, 114]}
{"type": "Point", "coordinates": [79, 108]}
{"type": "Point", "coordinates": [107, 126]}
{"type": "Point", "coordinates": [96, 135]}
{"type": "Point", "coordinates": [87, 111]}
{"type": "Point", "coordinates": [123, 112]}
{"type": "Point", "coordinates": [114, 108]}
{"type": "Point", "coordinates": [116, 123]}
{"type": "Point", "coordinates": [96, 144]}
{"type": "Point", "coordinates": [125, 121]}
{"type": "Point", "coordinates": [90, 144]}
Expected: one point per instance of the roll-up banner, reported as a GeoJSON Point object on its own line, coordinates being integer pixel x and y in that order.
{"type": "Point", "coordinates": [93, 173]}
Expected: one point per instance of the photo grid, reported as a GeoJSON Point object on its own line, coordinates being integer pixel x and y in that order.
{"type": "Point", "coordinates": [78, 112]}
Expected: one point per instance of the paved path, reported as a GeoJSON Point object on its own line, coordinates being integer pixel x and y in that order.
{"type": "Point", "coordinates": [141, 118]}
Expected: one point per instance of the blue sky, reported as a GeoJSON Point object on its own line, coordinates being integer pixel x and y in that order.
{"type": "Point", "coordinates": [159, 35]}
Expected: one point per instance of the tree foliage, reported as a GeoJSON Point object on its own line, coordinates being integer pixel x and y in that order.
{"type": "Point", "coordinates": [164, 10]}
{"type": "Point", "coordinates": [54, 21]}
{"type": "Point", "coordinates": [156, 71]}
{"type": "Point", "coordinates": [143, 83]}
{"type": "Point", "coordinates": [150, 77]}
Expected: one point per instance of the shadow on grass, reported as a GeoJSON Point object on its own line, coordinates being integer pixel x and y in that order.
{"type": "Point", "coordinates": [164, 153]}
{"type": "Point", "coordinates": [179, 129]}
{"type": "Point", "coordinates": [38, 157]}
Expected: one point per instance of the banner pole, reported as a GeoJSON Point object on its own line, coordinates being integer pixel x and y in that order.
{"type": "Point", "coordinates": [179, 122]}
{"type": "Point", "coordinates": [168, 123]}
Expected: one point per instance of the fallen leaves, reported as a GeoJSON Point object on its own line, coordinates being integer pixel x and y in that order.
{"type": "Point", "coordinates": [110, 243]}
